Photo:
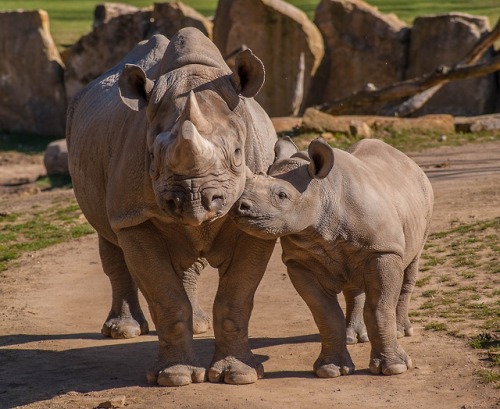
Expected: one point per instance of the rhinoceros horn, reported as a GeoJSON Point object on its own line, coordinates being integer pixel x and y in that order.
{"type": "Point", "coordinates": [190, 152]}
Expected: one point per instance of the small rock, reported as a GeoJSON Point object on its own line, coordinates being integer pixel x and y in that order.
{"type": "Point", "coordinates": [360, 129]}
{"type": "Point", "coordinates": [56, 158]}
{"type": "Point", "coordinates": [442, 138]}
{"type": "Point", "coordinates": [113, 403]}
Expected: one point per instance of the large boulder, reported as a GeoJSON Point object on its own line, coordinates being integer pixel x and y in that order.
{"type": "Point", "coordinates": [32, 95]}
{"type": "Point", "coordinates": [445, 40]}
{"type": "Point", "coordinates": [286, 41]}
{"type": "Point", "coordinates": [103, 47]}
{"type": "Point", "coordinates": [123, 26]}
{"type": "Point", "coordinates": [363, 48]}
{"type": "Point", "coordinates": [168, 18]}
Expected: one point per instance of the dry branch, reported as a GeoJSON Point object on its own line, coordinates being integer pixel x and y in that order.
{"type": "Point", "coordinates": [421, 89]}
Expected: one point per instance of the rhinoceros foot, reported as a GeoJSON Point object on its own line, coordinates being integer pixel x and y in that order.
{"type": "Point", "coordinates": [333, 366]}
{"type": "Point", "coordinates": [236, 372]}
{"type": "Point", "coordinates": [390, 363]}
{"type": "Point", "coordinates": [355, 334]}
{"type": "Point", "coordinates": [405, 329]}
{"type": "Point", "coordinates": [176, 375]}
{"type": "Point", "coordinates": [201, 322]}
{"type": "Point", "coordinates": [120, 328]}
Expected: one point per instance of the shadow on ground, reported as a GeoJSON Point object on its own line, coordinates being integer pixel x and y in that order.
{"type": "Point", "coordinates": [43, 373]}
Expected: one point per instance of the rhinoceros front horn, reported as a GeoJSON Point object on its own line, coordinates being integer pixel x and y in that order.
{"type": "Point", "coordinates": [190, 152]}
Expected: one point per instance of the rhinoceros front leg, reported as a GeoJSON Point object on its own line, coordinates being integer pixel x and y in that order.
{"type": "Point", "coordinates": [383, 281]}
{"type": "Point", "coordinates": [149, 261]}
{"type": "Point", "coordinates": [125, 319]}
{"type": "Point", "coordinates": [334, 359]}
{"type": "Point", "coordinates": [201, 321]}
{"type": "Point", "coordinates": [355, 301]}
{"type": "Point", "coordinates": [233, 361]}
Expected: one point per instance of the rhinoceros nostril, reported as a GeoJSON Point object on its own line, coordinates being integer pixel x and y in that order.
{"type": "Point", "coordinates": [216, 203]}
{"type": "Point", "coordinates": [174, 204]}
{"type": "Point", "coordinates": [244, 206]}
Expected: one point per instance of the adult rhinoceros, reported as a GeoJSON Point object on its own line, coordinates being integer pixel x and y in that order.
{"type": "Point", "coordinates": [158, 150]}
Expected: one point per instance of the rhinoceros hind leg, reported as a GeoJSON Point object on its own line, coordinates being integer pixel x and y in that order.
{"type": "Point", "coordinates": [355, 324]}
{"type": "Point", "coordinates": [125, 319]}
{"type": "Point", "coordinates": [382, 299]}
{"type": "Point", "coordinates": [201, 320]}
{"type": "Point", "coordinates": [404, 326]}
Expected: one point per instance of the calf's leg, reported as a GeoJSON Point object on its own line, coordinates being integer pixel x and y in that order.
{"type": "Point", "coordinates": [383, 281]}
{"type": "Point", "coordinates": [334, 359]}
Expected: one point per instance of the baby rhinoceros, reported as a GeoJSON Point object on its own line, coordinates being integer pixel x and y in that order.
{"type": "Point", "coordinates": [356, 218]}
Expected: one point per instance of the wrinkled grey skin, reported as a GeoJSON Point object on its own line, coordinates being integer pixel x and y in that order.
{"type": "Point", "coordinates": [158, 150]}
{"type": "Point", "coordinates": [354, 220]}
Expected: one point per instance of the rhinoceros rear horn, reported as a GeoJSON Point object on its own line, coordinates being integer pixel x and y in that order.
{"type": "Point", "coordinates": [134, 87]}
{"type": "Point", "coordinates": [249, 75]}
{"type": "Point", "coordinates": [284, 148]}
{"type": "Point", "coordinates": [321, 155]}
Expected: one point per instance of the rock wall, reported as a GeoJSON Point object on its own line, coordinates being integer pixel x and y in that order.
{"type": "Point", "coordinates": [350, 46]}
{"type": "Point", "coordinates": [123, 26]}
{"type": "Point", "coordinates": [286, 41]}
{"type": "Point", "coordinates": [445, 40]}
{"type": "Point", "coordinates": [363, 47]}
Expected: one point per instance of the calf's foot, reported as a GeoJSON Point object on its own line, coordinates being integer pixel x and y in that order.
{"type": "Point", "coordinates": [236, 371]}
{"type": "Point", "coordinates": [390, 363]}
{"type": "Point", "coordinates": [124, 327]}
{"type": "Point", "coordinates": [332, 366]}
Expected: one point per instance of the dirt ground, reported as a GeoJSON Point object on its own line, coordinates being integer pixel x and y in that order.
{"type": "Point", "coordinates": [53, 303]}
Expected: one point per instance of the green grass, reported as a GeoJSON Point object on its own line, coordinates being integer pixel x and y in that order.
{"type": "Point", "coordinates": [459, 288]}
{"type": "Point", "coordinates": [30, 231]}
{"type": "Point", "coordinates": [69, 20]}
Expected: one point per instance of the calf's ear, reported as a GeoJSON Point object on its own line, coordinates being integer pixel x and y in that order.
{"type": "Point", "coordinates": [249, 75]}
{"type": "Point", "coordinates": [284, 148]}
{"type": "Point", "coordinates": [321, 155]}
{"type": "Point", "coordinates": [134, 87]}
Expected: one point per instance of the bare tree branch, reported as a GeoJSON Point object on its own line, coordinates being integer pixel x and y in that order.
{"type": "Point", "coordinates": [421, 89]}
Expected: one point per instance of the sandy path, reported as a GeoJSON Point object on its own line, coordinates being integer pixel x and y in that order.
{"type": "Point", "coordinates": [53, 303]}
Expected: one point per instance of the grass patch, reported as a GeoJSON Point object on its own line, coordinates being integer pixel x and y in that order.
{"type": "Point", "coordinates": [28, 232]}
{"type": "Point", "coordinates": [487, 376]}
{"type": "Point", "coordinates": [460, 285]}
{"type": "Point", "coordinates": [436, 326]}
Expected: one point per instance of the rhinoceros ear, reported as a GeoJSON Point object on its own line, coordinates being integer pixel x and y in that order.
{"type": "Point", "coordinates": [134, 87]}
{"type": "Point", "coordinates": [249, 75]}
{"type": "Point", "coordinates": [284, 148]}
{"type": "Point", "coordinates": [321, 159]}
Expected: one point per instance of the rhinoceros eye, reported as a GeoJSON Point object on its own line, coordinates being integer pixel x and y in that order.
{"type": "Point", "coordinates": [237, 156]}
{"type": "Point", "coordinates": [282, 195]}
